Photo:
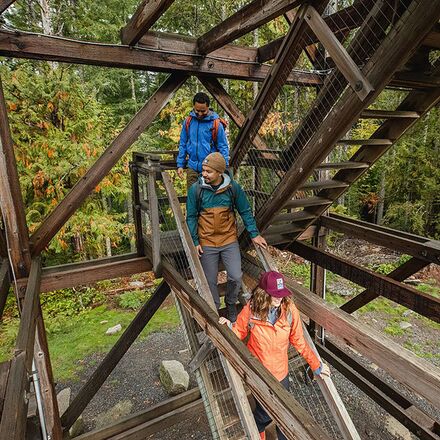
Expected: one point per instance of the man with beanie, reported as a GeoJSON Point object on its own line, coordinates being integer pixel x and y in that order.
{"type": "Point", "coordinates": [203, 132]}
{"type": "Point", "coordinates": [210, 215]}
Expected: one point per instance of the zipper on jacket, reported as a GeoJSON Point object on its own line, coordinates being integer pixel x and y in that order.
{"type": "Point", "coordinates": [197, 144]}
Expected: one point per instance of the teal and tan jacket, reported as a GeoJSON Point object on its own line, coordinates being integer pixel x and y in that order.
{"type": "Point", "coordinates": [211, 220]}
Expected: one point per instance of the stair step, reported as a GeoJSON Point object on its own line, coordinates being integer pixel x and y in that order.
{"type": "Point", "coordinates": [348, 165]}
{"type": "Point", "coordinates": [293, 217]}
{"type": "Point", "coordinates": [371, 141]}
{"type": "Point", "coordinates": [309, 201]}
{"type": "Point", "coordinates": [283, 229]}
{"type": "Point", "coordinates": [323, 184]}
{"type": "Point", "coordinates": [388, 114]}
{"type": "Point", "coordinates": [230, 421]}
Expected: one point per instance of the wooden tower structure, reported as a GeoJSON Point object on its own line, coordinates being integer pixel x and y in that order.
{"type": "Point", "coordinates": [357, 52]}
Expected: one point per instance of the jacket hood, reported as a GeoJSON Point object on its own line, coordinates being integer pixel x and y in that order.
{"type": "Point", "coordinates": [209, 117]}
{"type": "Point", "coordinates": [225, 184]}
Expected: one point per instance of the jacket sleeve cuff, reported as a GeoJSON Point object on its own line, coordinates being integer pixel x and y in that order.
{"type": "Point", "coordinates": [318, 371]}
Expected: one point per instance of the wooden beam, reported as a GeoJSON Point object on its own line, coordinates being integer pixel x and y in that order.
{"type": "Point", "coordinates": [153, 412]}
{"type": "Point", "coordinates": [340, 56]}
{"type": "Point", "coordinates": [77, 274]}
{"type": "Point", "coordinates": [3, 244]}
{"type": "Point", "coordinates": [396, 48]}
{"type": "Point", "coordinates": [398, 406]}
{"type": "Point", "coordinates": [230, 107]}
{"type": "Point", "coordinates": [11, 201]}
{"type": "Point", "coordinates": [5, 283]}
{"type": "Point", "coordinates": [49, 48]}
{"type": "Point", "coordinates": [153, 213]}
{"type": "Point", "coordinates": [4, 374]}
{"type": "Point", "coordinates": [414, 372]}
{"type": "Point", "coordinates": [420, 302]}
{"type": "Point", "coordinates": [147, 13]}
{"type": "Point", "coordinates": [248, 18]}
{"type": "Point", "coordinates": [110, 361]}
{"type": "Point", "coordinates": [43, 367]}
{"type": "Point", "coordinates": [428, 251]}
{"type": "Point", "coordinates": [399, 274]}
{"type": "Point", "coordinates": [285, 60]}
{"type": "Point", "coordinates": [4, 4]}
{"type": "Point", "coordinates": [13, 420]}
{"type": "Point", "coordinates": [292, 419]}
{"type": "Point", "coordinates": [188, 45]}
{"type": "Point", "coordinates": [150, 420]}
{"type": "Point", "coordinates": [74, 199]}
{"type": "Point", "coordinates": [238, 392]}
{"type": "Point", "coordinates": [339, 23]}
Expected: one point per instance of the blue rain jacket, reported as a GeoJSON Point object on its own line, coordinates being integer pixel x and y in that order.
{"type": "Point", "coordinates": [198, 143]}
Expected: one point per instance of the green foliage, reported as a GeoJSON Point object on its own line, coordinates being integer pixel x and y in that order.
{"type": "Point", "coordinates": [298, 271]}
{"type": "Point", "coordinates": [386, 268]}
{"type": "Point", "coordinates": [133, 300]}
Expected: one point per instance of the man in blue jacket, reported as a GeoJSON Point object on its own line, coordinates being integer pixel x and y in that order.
{"type": "Point", "coordinates": [210, 215]}
{"type": "Point", "coordinates": [202, 133]}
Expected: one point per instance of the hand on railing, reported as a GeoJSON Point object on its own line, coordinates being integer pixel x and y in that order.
{"type": "Point", "coordinates": [180, 173]}
{"type": "Point", "coordinates": [260, 241]}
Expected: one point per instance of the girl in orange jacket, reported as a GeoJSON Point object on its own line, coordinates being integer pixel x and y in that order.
{"type": "Point", "coordinates": [272, 322]}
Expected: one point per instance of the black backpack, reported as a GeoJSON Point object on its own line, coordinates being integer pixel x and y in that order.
{"type": "Point", "coordinates": [231, 190]}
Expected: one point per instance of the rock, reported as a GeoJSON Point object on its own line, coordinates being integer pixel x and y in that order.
{"type": "Point", "coordinates": [63, 398]}
{"type": "Point", "coordinates": [413, 281]}
{"type": "Point", "coordinates": [117, 412]}
{"type": "Point", "coordinates": [77, 428]}
{"type": "Point", "coordinates": [404, 325]}
{"type": "Point", "coordinates": [137, 284]}
{"type": "Point", "coordinates": [113, 330]}
{"type": "Point", "coordinates": [173, 377]}
{"type": "Point", "coordinates": [104, 322]}
{"type": "Point", "coordinates": [406, 313]}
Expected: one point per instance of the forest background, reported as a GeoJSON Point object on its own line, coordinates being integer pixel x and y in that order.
{"type": "Point", "coordinates": [63, 117]}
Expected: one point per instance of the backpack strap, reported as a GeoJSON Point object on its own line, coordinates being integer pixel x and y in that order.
{"type": "Point", "coordinates": [215, 125]}
{"type": "Point", "coordinates": [187, 124]}
{"type": "Point", "coordinates": [199, 190]}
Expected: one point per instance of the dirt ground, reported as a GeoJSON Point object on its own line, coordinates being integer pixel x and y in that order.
{"type": "Point", "coordinates": [135, 380]}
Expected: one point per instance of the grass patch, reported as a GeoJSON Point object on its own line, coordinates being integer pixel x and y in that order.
{"type": "Point", "coordinates": [71, 339]}
{"type": "Point", "coordinates": [429, 289]}
{"type": "Point", "coordinates": [385, 306]}
{"type": "Point", "coordinates": [421, 350]}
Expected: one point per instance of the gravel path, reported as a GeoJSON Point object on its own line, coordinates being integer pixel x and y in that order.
{"type": "Point", "coordinates": [136, 381]}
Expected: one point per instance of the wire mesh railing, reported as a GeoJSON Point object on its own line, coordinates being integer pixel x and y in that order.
{"type": "Point", "coordinates": [360, 26]}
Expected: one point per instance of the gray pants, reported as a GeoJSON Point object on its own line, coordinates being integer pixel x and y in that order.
{"type": "Point", "coordinates": [231, 258]}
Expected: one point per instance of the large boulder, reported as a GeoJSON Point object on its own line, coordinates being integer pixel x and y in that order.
{"type": "Point", "coordinates": [173, 377]}
{"type": "Point", "coordinates": [117, 412]}
{"type": "Point", "coordinates": [63, 399]}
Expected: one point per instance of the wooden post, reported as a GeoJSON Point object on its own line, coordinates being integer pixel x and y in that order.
{"type": "Point", "coordinates": [137, 214]}
{"type": "Point", "coordinates": [107, 365]}
{"type": "Point", "coordinates": [340, 56]}
{"type": "Point", "coordinates": [45, 375]}
{"type": "Point", "coordinates": [154, 214]}
{"type": "Point", "coordinates": [5, 282]}
{"type": "Point", "coordinates": [317, 282]}
{"type": "Point", "coordinates": [11, 201]}
{"type": "Point", "coordinates": [13, 420]}
{"type": "Point", "coordinates": [238, 392]}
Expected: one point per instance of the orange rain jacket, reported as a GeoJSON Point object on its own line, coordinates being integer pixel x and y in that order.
{"type": "Point", "coordinates": [269, 343]}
